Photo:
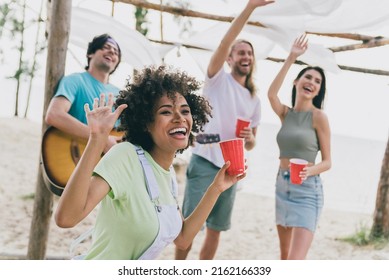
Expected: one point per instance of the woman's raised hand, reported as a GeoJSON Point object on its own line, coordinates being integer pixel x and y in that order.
{"type": "Point", "coordinates": [300, 45]}
{"type": "Point", "coordinates": [101, 119]}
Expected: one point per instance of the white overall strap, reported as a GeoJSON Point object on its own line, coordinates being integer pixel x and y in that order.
{"type": "Point", "coordinates": [169, 218]}
{"type": "Point", "coordinates": [76, 242]}
{"type": "Point", "coordinates": [151, 183]}
{"type": "Point", "coordinates": [174, 182]}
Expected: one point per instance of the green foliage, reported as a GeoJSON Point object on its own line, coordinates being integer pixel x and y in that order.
{"type": "Point", "coordinates": [4, 12]}
{"type": "Point", "coordinates": [20, 72]}
{"type": "Point", "coordinates": [30, 196]}
{"type": "Point", "coordinates": [362, 237]}
{"type": "Point", "coordinates": [9, 17]}
{"type": "Point", "coordinates": [141, 20]}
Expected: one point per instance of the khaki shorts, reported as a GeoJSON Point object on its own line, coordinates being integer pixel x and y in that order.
{"type": "Point", "coordinates": [199, 175]}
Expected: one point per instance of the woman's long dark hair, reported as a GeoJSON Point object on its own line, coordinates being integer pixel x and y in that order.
{"type": "Point", "coordinates": [319, 98]}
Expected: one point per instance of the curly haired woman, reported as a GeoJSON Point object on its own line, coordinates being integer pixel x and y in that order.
{"type": "Point", "coordinates": [134, 182]}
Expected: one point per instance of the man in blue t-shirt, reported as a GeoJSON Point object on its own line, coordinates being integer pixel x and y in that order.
{"type": "Point", "coordinates": [66, 109]}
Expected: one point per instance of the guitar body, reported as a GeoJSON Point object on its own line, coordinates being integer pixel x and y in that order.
{"type": "Point", "coordinates": [60, 155]}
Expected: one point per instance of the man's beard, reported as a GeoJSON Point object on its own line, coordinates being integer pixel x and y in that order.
{"type": "Point", "coordinates": [238, 71]}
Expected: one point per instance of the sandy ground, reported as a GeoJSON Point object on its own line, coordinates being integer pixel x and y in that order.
{"type": "Point", "coordinates": [253, 235]}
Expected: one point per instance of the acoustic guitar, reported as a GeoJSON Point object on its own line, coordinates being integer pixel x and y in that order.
{"type": "Point", "coordinates": [60, 155]}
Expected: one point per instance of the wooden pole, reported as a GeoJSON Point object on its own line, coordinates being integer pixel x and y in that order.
{"type": "Point", "coordinates": [380, 228]}
{"type": "Point", "coordinates": [367, 41]}
{"type": "Point", "coordinates": [58, 38]}
{"type": "Point", "coordinates": [161, 21]}
{"type": "Point", "coordinates": [191, 13]}
{"type": "Point", "coordinates": [343, 67]}
{"type": "Point", "coordinates": [374, 42]}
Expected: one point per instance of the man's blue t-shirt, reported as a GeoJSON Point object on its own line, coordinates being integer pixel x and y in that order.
{"type": "Point", "coordinates": [81, 88]}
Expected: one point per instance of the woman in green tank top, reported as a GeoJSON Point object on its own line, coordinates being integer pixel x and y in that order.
{"type": "Point", "coordinates": [305, 130]}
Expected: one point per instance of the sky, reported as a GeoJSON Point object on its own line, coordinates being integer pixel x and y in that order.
{"type": "Point", "coordinates": [356, 103]}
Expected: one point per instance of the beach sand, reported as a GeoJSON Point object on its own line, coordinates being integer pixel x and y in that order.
{"type": "Point", "coordinates": [252, 236]}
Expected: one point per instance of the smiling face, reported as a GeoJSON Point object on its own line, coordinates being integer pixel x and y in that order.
{"type": "Point", "coordinates": [106, 58]}
{"type": "Point", "coordinates": [241, 59]}
{"type": "Point", "coordinates": [309, 84]}
{"type": "Point", "coordinates": [172, 124]}
{"type": "Point", "coordinates": [311, 81]}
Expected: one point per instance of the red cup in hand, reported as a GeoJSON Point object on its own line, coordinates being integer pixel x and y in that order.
{"type": "Point", "coordinates": [241, 123]}
{"type": "Point", "coordinates": [233, 151]}
{"type": "Point", "coordinates": [296, 166]}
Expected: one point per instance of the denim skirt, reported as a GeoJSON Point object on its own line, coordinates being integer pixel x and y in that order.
{"type": "Point", "coordinates": [298, 205]}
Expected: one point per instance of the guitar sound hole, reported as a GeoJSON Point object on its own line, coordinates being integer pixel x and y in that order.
{"type": "Point", "coordinates": [75, 151]}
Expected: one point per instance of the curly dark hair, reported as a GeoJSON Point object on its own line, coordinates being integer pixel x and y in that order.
{"type": "Point", "coordinates": [142, 94]}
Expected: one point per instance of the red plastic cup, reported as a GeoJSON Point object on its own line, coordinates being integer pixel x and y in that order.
{"type": "Point", "coordinates": [240, 125]}
{"type": "Point", "coordinates": [296, 166]}
{"type": "Point", "coordinates": [233, 151]}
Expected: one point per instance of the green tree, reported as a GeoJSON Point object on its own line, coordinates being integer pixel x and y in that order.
{"type": "Point", "coordinates": [38, 49]}
{"type": "Point", "coordinates": [18, 29]}
{"type": "Point", "coordinates": [13, 24]}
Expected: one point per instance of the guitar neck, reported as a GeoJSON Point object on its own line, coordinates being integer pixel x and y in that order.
{"type": "Point", "coordinates": [206, 138]}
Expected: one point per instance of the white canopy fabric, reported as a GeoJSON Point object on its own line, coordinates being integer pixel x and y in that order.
{"type": "Point", "coordinates": [287, 19]}
{"type": "Point", "coordinates": [326, 16]}
{"type": "Point", "coordinates": [263, 40]}
{"type": "Point", "coordinates": [136, 49]}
